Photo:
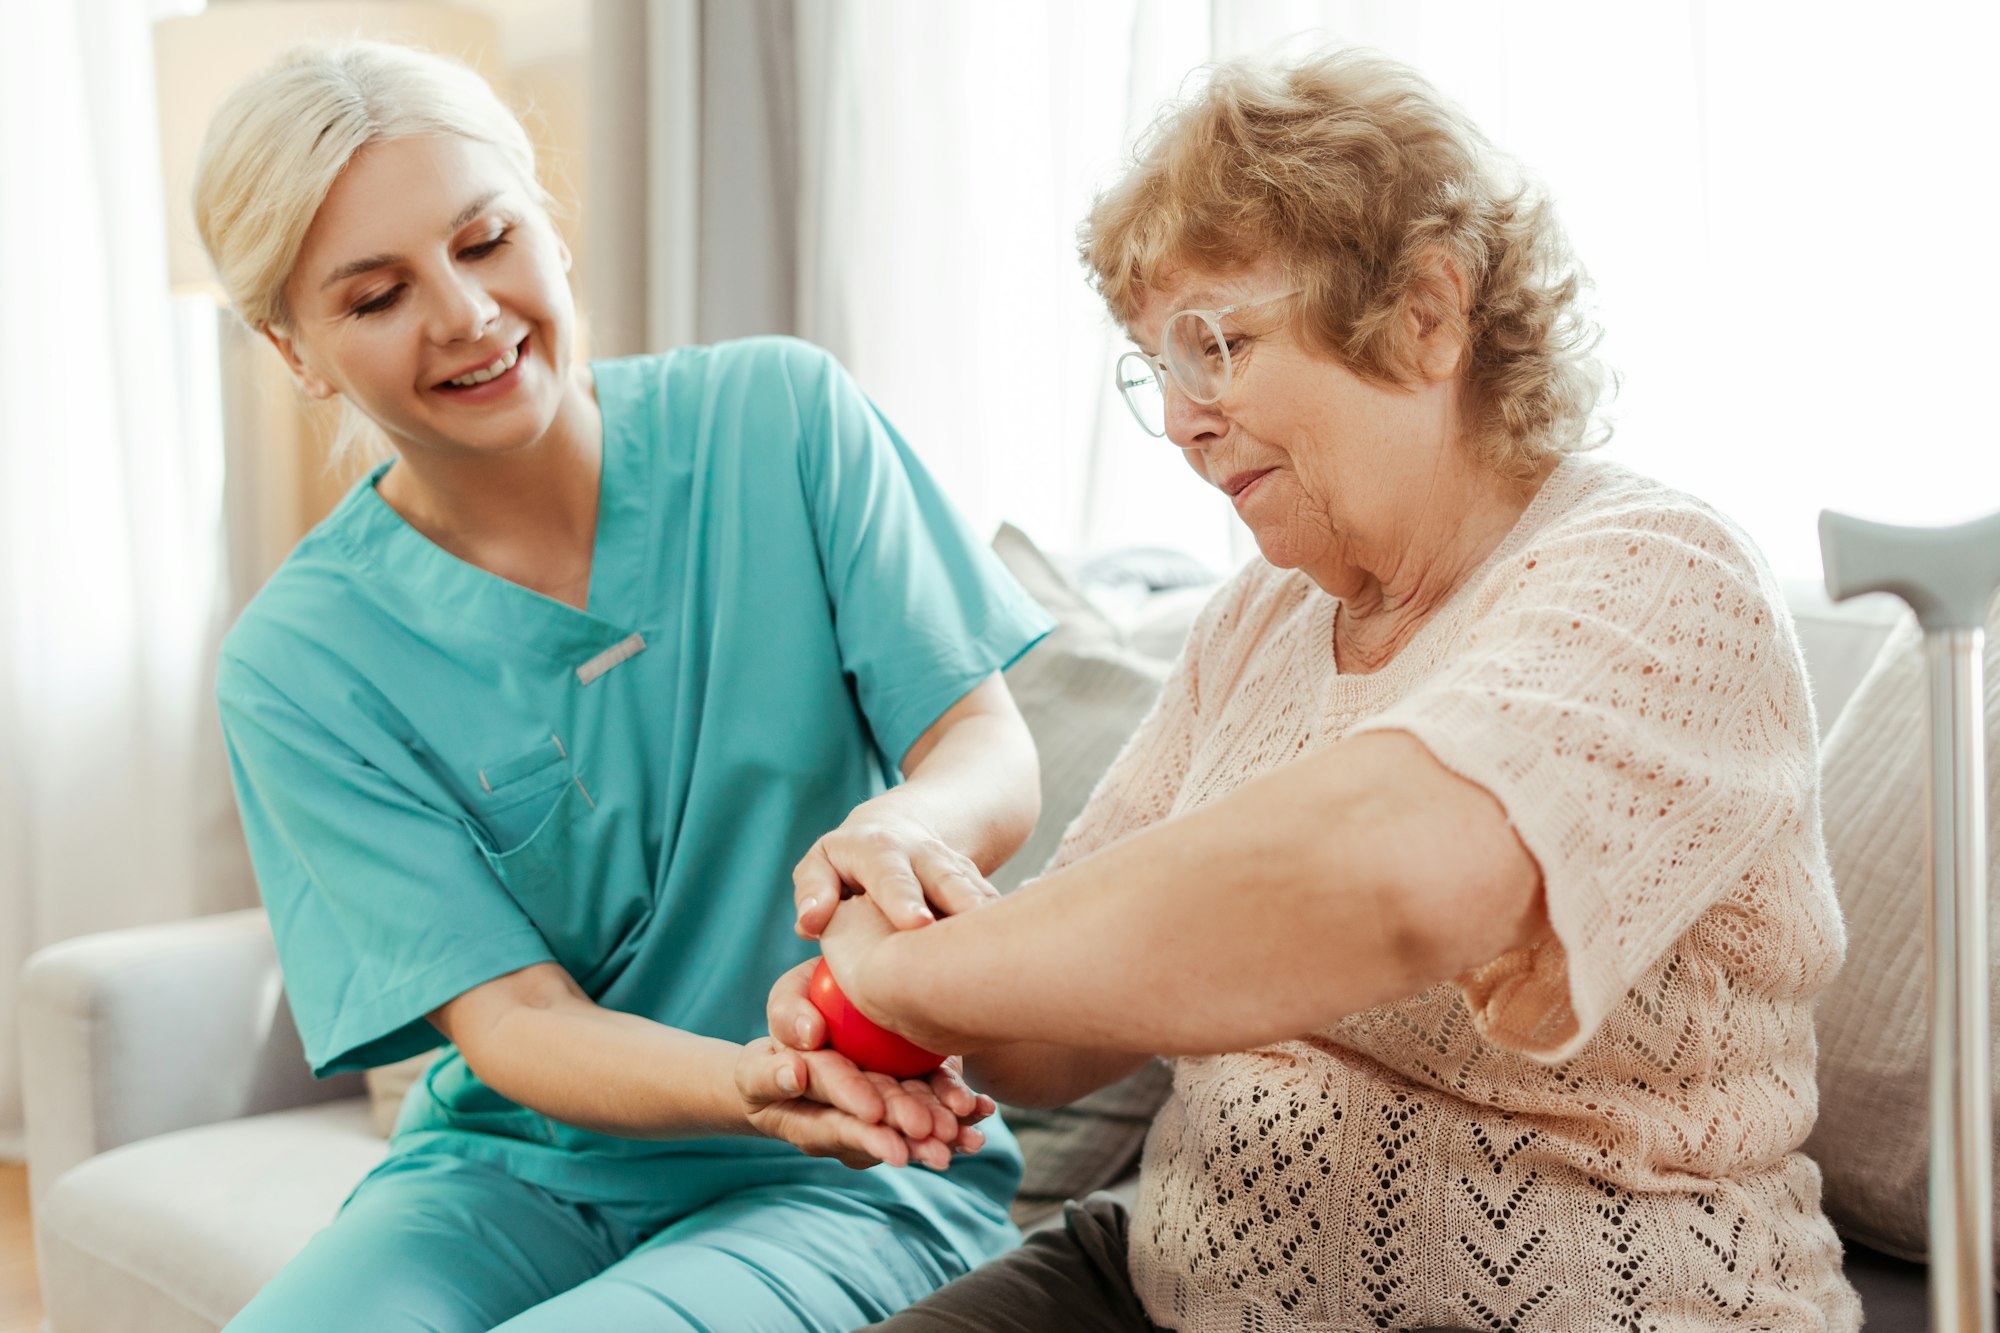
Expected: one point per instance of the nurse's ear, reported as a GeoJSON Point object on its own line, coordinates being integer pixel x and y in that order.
{"type": "Point", "coordinates": [308, 379]}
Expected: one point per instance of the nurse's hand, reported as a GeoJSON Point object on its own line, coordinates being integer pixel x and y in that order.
{"type": "Point", "coordinates": [825, 1107]}
{"type": "Point", "coordinates": [884, 851]}
{"type": "Point", "coordinates": [797, 1024]}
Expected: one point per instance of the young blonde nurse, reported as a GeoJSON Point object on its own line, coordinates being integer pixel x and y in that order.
{"type": "Point", "coordinates": [535, 734]}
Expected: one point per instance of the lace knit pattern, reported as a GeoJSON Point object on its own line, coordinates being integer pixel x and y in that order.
{"type": "Point", "coordinates": [1596, 1134]}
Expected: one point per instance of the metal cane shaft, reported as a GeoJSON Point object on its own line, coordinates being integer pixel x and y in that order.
{"type": "Point", "coordinates": [1951, 578]}
{"type": "Point", "coordinates": [1961, 1112]}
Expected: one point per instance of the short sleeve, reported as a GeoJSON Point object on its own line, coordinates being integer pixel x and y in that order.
{"type": "Point", "coordinates": [382, 906]}
{"type": "Point", "coordinates": [923, 611]}
{"type": "Point", "coordinates": [1633, 697]}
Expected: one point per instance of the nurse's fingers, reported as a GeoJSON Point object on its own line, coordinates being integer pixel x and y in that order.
{"type": "Point", "coordinates": [917, 1115]}
{"type": "Point", "coordinates": [951, 882]}
{"type": "Point", "coordinates": [767, 1073]}
{"type": "Point", "coordinates": [950, 1087]}
{"type": "Point", "coordinates": [892, 885]}
{"type": "Point", "coordinates": [919, 1120]}
{"type": "Point", "coordinates": [821, 1104]}
{"type": "Point", "coordinates": [834, 1079]}
{"type": "Point", "coordinates": [793, 1020]}
{"type": "Point", "coordinates": [822, 1131]}
{"type": "Point", "coordinates": [816, 890]}
{"type": "Point", "coordinates": [872, 856]}
{"type": "Point", "coordinates": [944, 1124]}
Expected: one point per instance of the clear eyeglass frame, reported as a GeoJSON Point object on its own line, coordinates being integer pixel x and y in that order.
{"type": "Point", "coordinates": [1141, 379]}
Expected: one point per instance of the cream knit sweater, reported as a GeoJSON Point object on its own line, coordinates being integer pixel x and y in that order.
{"type": "Point", "coordinates": [1595, 1134]}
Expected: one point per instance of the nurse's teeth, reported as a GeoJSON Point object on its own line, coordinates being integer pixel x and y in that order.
{"type": "Point", "coordinates": [501, 365]}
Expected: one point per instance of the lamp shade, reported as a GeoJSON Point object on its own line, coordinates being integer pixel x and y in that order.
{"type": "Point", "coordinates": [201, 58]}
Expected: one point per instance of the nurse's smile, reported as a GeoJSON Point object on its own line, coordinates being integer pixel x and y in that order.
{"type": "Point", "coordinates": [430, 281]}
{"type": "Point", "coordinates": [487, 380]}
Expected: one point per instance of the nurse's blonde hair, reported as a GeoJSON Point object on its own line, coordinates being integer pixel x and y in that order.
{"type": "Point", "coordinates": [278, 143]}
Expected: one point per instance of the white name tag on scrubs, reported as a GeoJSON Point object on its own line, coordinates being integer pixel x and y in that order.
{"type": "Point", "coordinates": [623, 651]}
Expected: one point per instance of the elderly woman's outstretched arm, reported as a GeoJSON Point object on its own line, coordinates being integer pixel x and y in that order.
{"type": "Point", "coordinates": [1353, 876]}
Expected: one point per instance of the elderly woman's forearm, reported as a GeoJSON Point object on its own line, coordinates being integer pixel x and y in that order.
{"type": "Point", "coordinates": [1343, 881]}
{"type": "Point", "coordinates": [1026, 1073]}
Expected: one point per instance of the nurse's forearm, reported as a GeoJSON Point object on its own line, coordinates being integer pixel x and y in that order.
{"type": "Point", "coordinates": [978, 791]}
{"type": "Point", "coordinates": [973, 778]}
{"type": "Point", "coordinates": [536, 1039]}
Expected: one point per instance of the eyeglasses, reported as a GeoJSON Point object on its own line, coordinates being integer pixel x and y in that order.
{"type": "Point", "coordinates": [1194, 354]}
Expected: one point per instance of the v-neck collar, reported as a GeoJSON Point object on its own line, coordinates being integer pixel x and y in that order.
{"type": "Point", "coordinates": [379, 537]}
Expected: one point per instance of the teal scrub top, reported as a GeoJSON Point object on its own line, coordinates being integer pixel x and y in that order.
{"type": "Point", "coordinates": [445, 777]}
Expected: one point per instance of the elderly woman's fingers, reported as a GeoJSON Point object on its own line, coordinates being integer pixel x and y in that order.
{"type": "Point", "coordinates": [816, 890]}
{"type": "Point", "coordinates": [790, 1014]}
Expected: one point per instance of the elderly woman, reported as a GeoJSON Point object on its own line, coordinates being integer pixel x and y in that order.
{"type": "Point", "coordinates": [1469, 865]}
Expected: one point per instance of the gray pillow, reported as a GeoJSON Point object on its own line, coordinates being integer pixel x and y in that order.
{"type": "Point", "coordinates": [1080, 705]}
{"type": "Point", "coordinates": [1871, 1140]}
{"type": "Point", "coordinates": [1082, 693]}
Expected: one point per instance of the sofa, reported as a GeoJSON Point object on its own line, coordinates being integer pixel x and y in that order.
{"type": "Point", "coordinates": [179, 1153]}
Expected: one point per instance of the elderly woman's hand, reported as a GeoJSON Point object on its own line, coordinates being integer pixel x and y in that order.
{"type": "Point", "coordinates": [885, 851]}
{"type": "Point", "coordinates": [954, 1106]}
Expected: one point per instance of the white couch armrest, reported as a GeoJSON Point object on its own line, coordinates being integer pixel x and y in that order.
{"type": "Point", "coordinates": [139, 1032]}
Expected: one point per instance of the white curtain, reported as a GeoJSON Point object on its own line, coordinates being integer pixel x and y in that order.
{"type": "Point", "coordinates": [114, 807]}
{"type": "Point", "coordinates": [1782, 204]}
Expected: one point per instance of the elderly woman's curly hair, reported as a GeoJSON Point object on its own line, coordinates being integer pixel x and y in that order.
{"type": "Point", "coordinates": [1358, 177]}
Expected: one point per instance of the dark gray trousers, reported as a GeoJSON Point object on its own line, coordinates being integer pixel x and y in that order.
{"type": "Point", "coordinates": [1070, 1279]}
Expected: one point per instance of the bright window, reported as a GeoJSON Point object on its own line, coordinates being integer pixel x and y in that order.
{"type": "Point", "coordinates": [1785, 210]}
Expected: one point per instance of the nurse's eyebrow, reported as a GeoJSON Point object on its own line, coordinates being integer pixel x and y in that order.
{"type": "Point", "coordinates": [355, 267]}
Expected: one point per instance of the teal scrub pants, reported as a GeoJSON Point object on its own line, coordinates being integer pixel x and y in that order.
{"type": "Point", "coordinates": [437, 1243]}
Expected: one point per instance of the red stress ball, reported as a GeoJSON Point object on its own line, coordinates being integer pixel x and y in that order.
{"type": "Point", "coordinates": [862, 1040]}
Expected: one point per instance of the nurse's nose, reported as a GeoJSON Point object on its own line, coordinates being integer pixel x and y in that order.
{"type": "Point", "coordinates": [461, 308]}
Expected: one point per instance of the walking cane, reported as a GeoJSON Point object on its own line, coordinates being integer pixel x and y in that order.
{"type": "Point", "coordinates": [1949, 577]}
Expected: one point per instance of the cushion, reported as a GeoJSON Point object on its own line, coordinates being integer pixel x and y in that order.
{"type": "Point", "coordinates": [175, 1233]}
{"type": "Point", "coordinates": [1080, 622]}
{"type": "Point", "coordinates": [1840, 641]}
{"type": "Point", "coordinates": [389, 1084]}
{"type": "Point", "coordinates": [1089, 1145]}
{"type": "Point", "coordinates": [1082, 691]}
{"type": "Point", "coordinates": [1080, 705]}
{"type": "Point", "coordinates": [1871, 1140]}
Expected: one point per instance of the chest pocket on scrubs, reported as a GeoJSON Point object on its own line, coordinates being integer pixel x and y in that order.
{"type": "Point", "coordinates": [542, 837]}
{"type": "Point", "coordinates": [517, 794]}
